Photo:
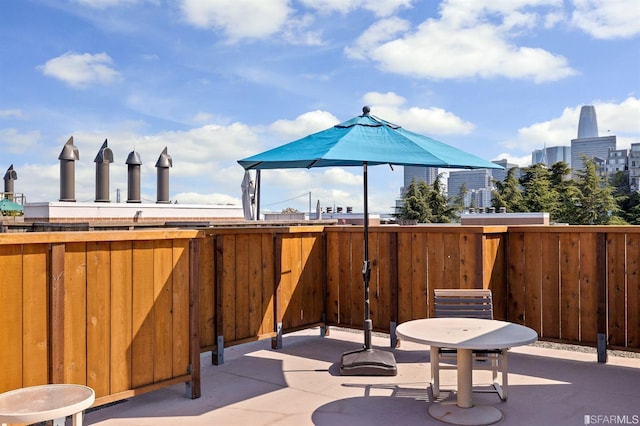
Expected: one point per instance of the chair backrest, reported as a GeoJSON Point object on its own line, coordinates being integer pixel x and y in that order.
{"type": "Point", "coordinates": [463, 303]}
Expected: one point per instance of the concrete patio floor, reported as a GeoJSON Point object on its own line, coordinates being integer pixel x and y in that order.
{"type": "Point", "coordinates": [300, 384]}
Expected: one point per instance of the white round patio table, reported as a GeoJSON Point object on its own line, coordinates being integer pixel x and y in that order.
{"type": "Point", "coordinates": [45, 402]}
{"type": "Point", "coordinates": [465, 335]}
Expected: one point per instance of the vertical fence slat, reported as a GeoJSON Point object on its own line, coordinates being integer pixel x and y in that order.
{"type": "Point", "coordinates": [228, 288]}
{"type": "Point", "coordinates": [404, 276]}
{"type": "Point", "coordinates": [268, 283]}
{"type": "Point", "coordinates": [180, 308]}
{"type": "Point", "coordinates": [11, 339]}
{"type": "Point", "coordinates": [570, 286]}
{"type": "Point", "coordinates": [588, 287]}
{"type": "Point", "coordinates": [419, 273]}
{"type": "Point", "coordinates": [206, 272]}
{"type": "Point", "coordinates": [550, 258]}
{"type": "Point", "coordinates": [98, 317]}
{"type": "Point", "coordinates": [517, 270]}
{"type": "Point", "coordinates": [56, 313]}
{"type": "Point", "coordinates": [532, 281]}
{"type": "Point", "coordinates": [34, 272]}
{"type": "Point", "coordinates": [616, 260]}
{"type": "Point", "coordinates": [344, 279]}
{"type": "Point", "coordinates": [333, 278]}
{"type": "Point", "coordinates": [244, 287]}
{"type": "Point", "coordinates": [633, 291]}
{"type": "Point", "coordinates": [142, 345]}
{"type": "Point", "coordinates": [162, 315]}
{"type": "Point", "coordinates": [195, 248]}
{"type": "Point", "coordinates": [255, 280]}
{"type": "Point", "coordinates": [75, 326]}
{"type": "Point", "coordinates": [121, 318]}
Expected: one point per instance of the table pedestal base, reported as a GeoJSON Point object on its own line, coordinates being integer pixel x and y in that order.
{"type": "Point", "coordinates": [474, 416]}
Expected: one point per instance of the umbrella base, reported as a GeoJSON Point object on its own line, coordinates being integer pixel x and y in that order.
{"type": "Point", "coordinates": [368, 362]}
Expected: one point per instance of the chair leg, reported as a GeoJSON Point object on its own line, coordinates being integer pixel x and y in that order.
{"type": "Point", "coordinates": [435, 370]}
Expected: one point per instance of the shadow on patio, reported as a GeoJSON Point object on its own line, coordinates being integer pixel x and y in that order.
{"type": "Point", "coordinates": [301, 385]}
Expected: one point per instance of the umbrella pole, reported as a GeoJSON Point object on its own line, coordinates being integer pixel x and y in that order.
{"type": "Point", "coordinates": [257, 196]}
{"type": "Point", "coordinates": [366, 267]}
{"type": "Point", "coordinates": [367, 361]}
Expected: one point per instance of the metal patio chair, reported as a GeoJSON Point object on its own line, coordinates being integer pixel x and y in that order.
{"type": "Point", "coordinates": [472, 303]}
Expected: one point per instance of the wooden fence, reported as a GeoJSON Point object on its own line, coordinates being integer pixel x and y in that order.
{"type": "Point", "coordinates": [111, 310]}
{"type": "Point", "coordinates": [130, 311]}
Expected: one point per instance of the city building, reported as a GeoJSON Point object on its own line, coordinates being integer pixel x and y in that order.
{"type": "Point", "coordinates": [551, 155]}
{"type": "Point", "coordinates": [473, 181]}
{"type": "Point", "coordinates": [634, 167]}
{"type": "Point", "coordinates": [588, 144]}
{"type": "Point", "coordinates": [426, 174]}
{"type": "Point", "coordinates": [501, 174]}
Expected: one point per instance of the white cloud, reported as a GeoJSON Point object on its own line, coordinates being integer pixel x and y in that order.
{"type": "Point", "coordinates": [523, 161]}
{"type": "Point", "coordinates": [103, 4]}
{"type": "Point", "coordinates": [15, 142]}
{"type": "Point", "coordinates": [238, 19]}
{"type": "Point", "coordinates": [607, 19]}
{"type": "Point", "coordinates": [620, 119]}
{"type": "Point", "coordinates": [79, 70]}
{"type": "Point", "coordinates": [430, 121]}
{"type": "Point", "coordinates": [471, 39]}
{"type": "Point", "coordinates": [304, 124]}
{"type": "Point", "coordinates": [11, 113]}
{"type": "Point", "coordinates": [379, 7]}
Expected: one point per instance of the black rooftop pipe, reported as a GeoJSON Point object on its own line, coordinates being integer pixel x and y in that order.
{"type": "Point", "coordinates": [67, 158]}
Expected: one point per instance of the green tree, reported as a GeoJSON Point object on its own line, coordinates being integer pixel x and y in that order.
{"type": "Point", "coordinates": [539, 194]}
{"type": "Point", "coordinates": [508, 193]}
{"type": "Point", "coordinates": [567, 192]}
{"type": "Point", "coordinates": [415, 202]}
{"type": "Point", "coordinates": [595, 201]}
{"type": "Point", "coordinates": [441, 210]}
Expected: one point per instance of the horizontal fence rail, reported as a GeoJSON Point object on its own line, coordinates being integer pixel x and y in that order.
{"type": "Point", "coordinates": [130, 311]}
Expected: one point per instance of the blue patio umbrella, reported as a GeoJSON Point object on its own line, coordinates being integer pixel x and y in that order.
{"type": "Point", "coordinates": [364, 141]}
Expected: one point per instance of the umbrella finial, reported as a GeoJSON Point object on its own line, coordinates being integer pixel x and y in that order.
{"type": "Point", "coordinates": [366, 110]}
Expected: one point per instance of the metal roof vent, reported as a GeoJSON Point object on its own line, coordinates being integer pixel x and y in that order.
{"type": "Point", "coordinates": [133, 177]}
{"type": "Point", "coordinates": [163, 164]}
{"type": "Point", "coordinates": [9, 177]}
{"type": "Point", "coordinates": [102, 160]}
{"type": "Point", "coordinates": [67, 158]}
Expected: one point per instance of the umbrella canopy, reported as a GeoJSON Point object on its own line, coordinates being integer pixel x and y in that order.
{"type": "Point", "coordinates": [8, 206]}
{"type": "Point", "coordinates": [362, 141]}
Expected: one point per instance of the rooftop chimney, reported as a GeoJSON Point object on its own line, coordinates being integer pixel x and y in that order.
{"type": "Point", "coordinates": [163, 164]}
{"type": "Point", "coordinates": [102, 160]}
{"type": "Point", "coordinates": [9, 177]}
{"type": "Point", "coordinates": [67, 158]}
{"type": "Point", "coordinates": [133, 177]}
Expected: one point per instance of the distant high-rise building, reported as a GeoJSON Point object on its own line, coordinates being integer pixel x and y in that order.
{"type": "Point", "coordinates": [597, 148]}
{"type": "Point", "coordinates": [426, 174]}
{"type": "Point", "coordinates": [501, 174]}
{"type": "Point", "coordinates": [588, 143]}
{"type": "Point", "coordinates": [551, 155]}
{"type": "Point", "coordinates": [588, 123]}
{"type": "Point", "coordinates": [634, 167]}
{"type": "Point", "coordinates": [617, 161]}
{"type": "Point", "coordinates": [473, 180]}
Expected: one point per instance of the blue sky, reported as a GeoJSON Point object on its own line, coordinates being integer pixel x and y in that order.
{"type": "Point", "coordinates": [215, 81]}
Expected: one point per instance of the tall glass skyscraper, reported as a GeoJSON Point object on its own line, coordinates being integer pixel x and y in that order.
{"type": "Point", "coordinates": [588, 142]}
{"type": "Point", "coordinates": [588, 123]}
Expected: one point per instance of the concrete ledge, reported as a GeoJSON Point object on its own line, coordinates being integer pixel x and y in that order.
{"type": "Point", "coordinates": [505, 219]}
